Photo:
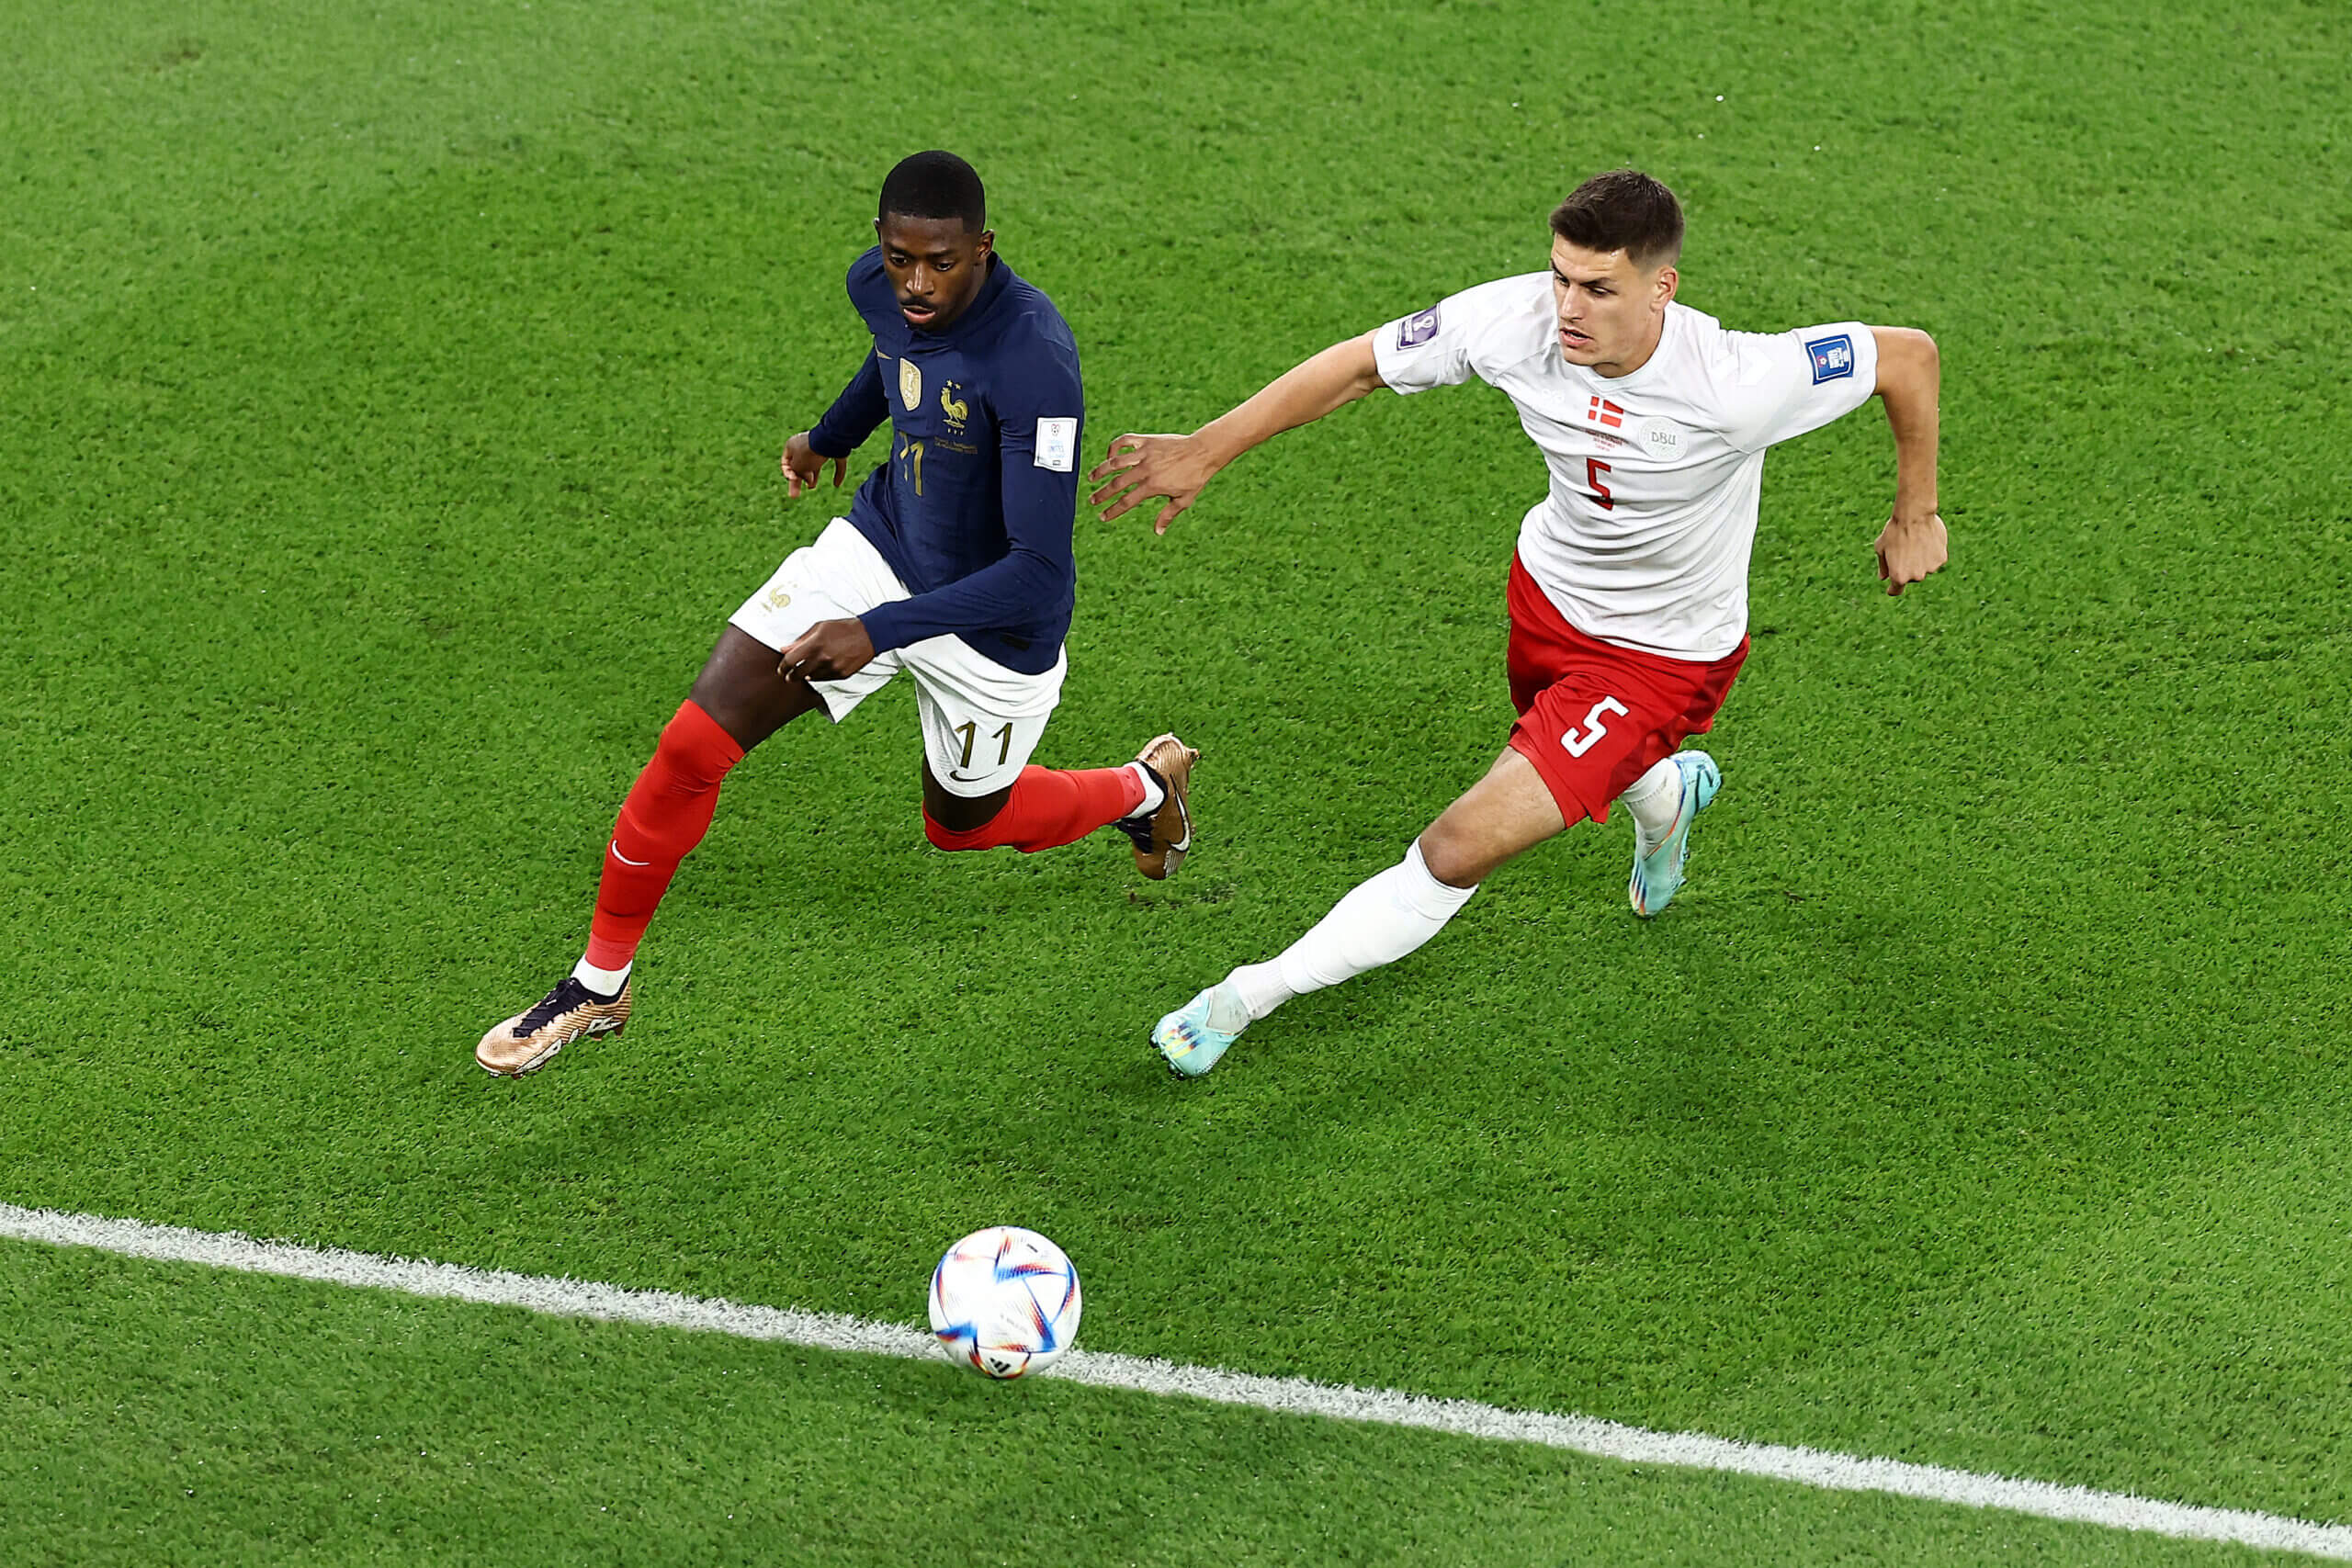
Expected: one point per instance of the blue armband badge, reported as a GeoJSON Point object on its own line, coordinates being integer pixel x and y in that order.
{"type": "Point", "coordinates": [1832, 358]}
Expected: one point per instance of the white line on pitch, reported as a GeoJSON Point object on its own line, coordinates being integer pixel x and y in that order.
{"type": "Point", "coordinates": [828, 1331]}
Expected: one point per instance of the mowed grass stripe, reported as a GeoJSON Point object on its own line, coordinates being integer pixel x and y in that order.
{"type": "Point", "coordinates": [830, 1331]}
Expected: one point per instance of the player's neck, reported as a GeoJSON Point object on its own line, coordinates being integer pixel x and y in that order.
{"type": "Point", "coordinates": [1612, 371]}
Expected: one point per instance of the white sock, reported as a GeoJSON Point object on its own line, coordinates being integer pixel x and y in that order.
{"type": "Point", "coordinates": [604, 982]}
{"type": "Point", "coordinates": [1228, 1011]}
{"type": "Point", "coordinates": [1655, 800]}
{"type": "Point", "coordinates": [1153, 795]}
{"type": "Point", "coordinates": [1380, 920]}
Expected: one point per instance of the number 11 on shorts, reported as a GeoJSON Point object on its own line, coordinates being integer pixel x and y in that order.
{"type": "Point", "coordinates": [1593, 729]}
{"type": "Point", "coordinates": [1003, 738]}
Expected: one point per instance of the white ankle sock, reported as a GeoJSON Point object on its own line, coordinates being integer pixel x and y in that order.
{"type": "Point", "coordinates": [604, 982]}
{"type": "Point", "coordinates": [1228, 1011]}
{"type": "Point", "coordinates": [1655, 799]}
{"type": "Point", "coordinates": [1380, 920]}
{"type": "Point", "coordinates": [1153, 795]}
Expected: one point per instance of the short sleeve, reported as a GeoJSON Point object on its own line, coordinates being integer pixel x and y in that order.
{"type": "Point", "coordinates": [1783, 384]}
{"type": "Point", "coordinates": [1475, 333]}
{"type": "Point", "coordinates": [1428, 348]}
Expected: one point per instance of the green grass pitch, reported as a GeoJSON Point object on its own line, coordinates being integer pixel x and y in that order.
{"type": "Point", "coordinates": [390, 400]}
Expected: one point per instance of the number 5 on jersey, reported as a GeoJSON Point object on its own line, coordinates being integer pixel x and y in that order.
{"type": "Point", "coordinates": [1593, 468]}
{"type": "Point", "coordinates": [1593, 729]}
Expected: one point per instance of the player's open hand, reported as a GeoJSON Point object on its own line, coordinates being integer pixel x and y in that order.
{"type": "Point", "coordinates": [1910, 547]}
{"type": "Point", "coordinates": [803, 467]}
{"type": "Point", "coordinates": [830, 650]}
{"type": "Point", "coordinates": [1138, 468]}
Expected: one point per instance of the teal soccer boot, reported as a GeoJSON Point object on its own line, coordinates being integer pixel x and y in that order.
{"type": "Point", "coordinates": [1187, 1041]}
{"type": "Point", "coordinates": [1658, 871]}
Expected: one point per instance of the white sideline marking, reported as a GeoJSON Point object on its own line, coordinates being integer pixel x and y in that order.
{"type": "Point", "coordinates": [830, 1331]}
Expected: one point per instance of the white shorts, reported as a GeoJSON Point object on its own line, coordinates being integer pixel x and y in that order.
{"type": "Point", "coordinates": [980, 721]}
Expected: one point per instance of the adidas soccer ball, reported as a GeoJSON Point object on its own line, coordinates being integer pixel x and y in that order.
{"type": "Point", "coordinates": [1004, 1302]}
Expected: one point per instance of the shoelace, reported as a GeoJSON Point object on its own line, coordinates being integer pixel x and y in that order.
{"type": "Point", "coordinates": [1139, 826]}
{"type": "Point", "coordinates": [568, 995]}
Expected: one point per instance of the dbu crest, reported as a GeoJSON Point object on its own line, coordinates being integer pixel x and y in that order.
{"type": "Point", "coordinates": [1832, 358]}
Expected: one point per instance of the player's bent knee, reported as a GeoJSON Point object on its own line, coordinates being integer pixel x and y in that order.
{"type": "Point", "coordinates": [956, 821]}
{"type": "Point", "coordinates": [1508, 811]}
{"type": "Point", "coordinates": [740, 688]}
{"type": "Point", "coordinates": [1450, 859]}
{"type": "Point", "coordinates": [697, 748]}
{"type": "Point", "coordinates": [981, 837]}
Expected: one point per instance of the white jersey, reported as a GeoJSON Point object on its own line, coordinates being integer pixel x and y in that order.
{"type": "Point", "coordinates": [1645, 538]}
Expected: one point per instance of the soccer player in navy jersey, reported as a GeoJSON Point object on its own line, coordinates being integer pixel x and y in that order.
{"type": "Point", "coordinates": [954, 565]}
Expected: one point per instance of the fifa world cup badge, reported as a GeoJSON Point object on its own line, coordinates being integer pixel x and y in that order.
{"type": "Point", "coordinates": [910, 385]}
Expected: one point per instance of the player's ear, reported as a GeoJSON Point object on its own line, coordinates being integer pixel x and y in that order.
{"type": "Point", "coordinates": [986, 243]}
{"type": "Point", "coordinates": [1668, 279]}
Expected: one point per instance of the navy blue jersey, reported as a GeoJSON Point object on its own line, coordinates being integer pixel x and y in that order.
{"type": "Point", "coordinates": [974, 508]}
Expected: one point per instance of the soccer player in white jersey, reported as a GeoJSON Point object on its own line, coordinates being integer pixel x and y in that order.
{"type": "Point", "coordinates": [1629, 593]}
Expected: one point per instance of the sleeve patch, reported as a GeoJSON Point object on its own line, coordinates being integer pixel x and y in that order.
{"type": "Point", "coordinates": [1832, 358]}
{"type": "Point", "coordinates": [1056, 443]}
{"type": "Point", "coordinates": [1418, 330]}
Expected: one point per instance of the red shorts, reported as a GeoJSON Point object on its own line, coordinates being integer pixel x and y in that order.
{"type": "Point", "coordinates": [1593, 717]}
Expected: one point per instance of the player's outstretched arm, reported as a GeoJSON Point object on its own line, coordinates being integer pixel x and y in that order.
{"type": "Point", "coordinates": [1138, 468]}
{"type": "Point", "coordinates": [1910, 383]}
{"type": "Point", "coordinates": [804, 466]}
{"type": "Point", "coordinates": [857, 413]}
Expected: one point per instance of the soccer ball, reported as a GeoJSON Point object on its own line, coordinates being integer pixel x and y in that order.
{"type": "Point", "coordinates": [1003, 1301]}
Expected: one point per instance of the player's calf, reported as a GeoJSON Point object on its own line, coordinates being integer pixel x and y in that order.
{"type": "Point", "coordinates": [1047, 807]}
{"type": "Point", "coordinates": [1380, 920]}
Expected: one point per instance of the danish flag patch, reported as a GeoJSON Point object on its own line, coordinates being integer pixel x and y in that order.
{"type": "Point", "coordinates": [1603, 411]}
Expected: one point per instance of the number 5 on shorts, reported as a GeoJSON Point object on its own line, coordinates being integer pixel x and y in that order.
{"type": "Point", "coordinates": [1578, 745]}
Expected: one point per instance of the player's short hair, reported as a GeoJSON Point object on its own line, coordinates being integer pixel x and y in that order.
{"type": "Point", "coordinates": [936, 185]}
{"type": "Point", "coordinates": [1626, 210]}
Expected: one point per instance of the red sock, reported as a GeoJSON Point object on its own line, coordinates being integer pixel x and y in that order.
{"type": "Point", "coordinates": [1049, 807]}
{"type": "Point", "coordinates": [666, 814]}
